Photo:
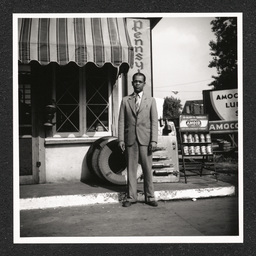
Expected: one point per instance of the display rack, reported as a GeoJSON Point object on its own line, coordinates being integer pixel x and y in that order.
{"type": "Point", "coordinates": [196, 145]}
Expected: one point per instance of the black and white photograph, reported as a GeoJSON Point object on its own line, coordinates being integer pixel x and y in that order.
{"type": "Point", "coordinates": [128, 128]}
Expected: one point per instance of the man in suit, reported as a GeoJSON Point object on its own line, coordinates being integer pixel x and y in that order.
{"type": "Point", "coordinates": [137, 135]}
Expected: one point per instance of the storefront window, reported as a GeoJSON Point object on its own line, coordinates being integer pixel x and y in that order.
{"type": "Point", "coordinates": [67, 99]}
{"type": "Point", "coordinates": [97, 105]}
{"type": "Point", "coordinates": [82, 98]}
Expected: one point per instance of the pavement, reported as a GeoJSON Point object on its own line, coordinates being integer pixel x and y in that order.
{"type": "Point", "coordinates": [204, 220]}
{"type": "Point", "coordinates": [43, 196]}
{"type": "Point", "coordinates": [202, 210]}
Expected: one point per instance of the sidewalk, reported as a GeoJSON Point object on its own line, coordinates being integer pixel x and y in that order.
{"type": "Point", "coordinates": [42, 196]}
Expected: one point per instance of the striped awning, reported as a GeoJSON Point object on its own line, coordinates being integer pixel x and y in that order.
{"type": "Point", "coordinates": [79, 40]}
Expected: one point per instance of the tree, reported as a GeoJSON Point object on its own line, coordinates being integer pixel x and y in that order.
{"type": "Point", "coordinates": [224, 52]}
{"type": "Point", "coordinates": [171, 108]}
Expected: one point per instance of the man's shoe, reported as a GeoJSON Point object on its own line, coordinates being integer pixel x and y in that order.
{"type": "Point", "coordinates": [128, 203]}
{"type": "Point", "coordinates": [152, 203]}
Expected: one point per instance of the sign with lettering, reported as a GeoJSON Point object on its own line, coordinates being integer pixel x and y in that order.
{"type": "Point", "coordinates": [194, 123]}
{"type": "Point", "coordinates": [139, 32]}
{"type": "Point", "coordinates": [222, 108]}
{"type": "Point", "coordinates": [222, 126]}
{"type": "Point", "coordinates": [225, 104]}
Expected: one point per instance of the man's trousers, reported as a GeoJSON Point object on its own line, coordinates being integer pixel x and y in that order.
{"type": "Point", "coordinates": [138, 153]}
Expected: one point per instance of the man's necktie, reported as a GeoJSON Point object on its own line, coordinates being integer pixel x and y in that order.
{"type": "Point", "coordinates": [137, 103]}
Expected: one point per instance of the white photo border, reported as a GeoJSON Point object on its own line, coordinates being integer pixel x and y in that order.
{"type": "Point", "coordinates": [141, 239]}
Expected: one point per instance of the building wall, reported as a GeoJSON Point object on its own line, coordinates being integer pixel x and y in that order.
{"type": "Point", "coordinates": [66, 162]}
{"type": "Point", "coordinates": [59, 160]}
{"type": "Point", "coordinates": [65, 158]}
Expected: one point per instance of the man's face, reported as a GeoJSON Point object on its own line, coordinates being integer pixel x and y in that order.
{"type": "Point", "coordinates": [138, 83]}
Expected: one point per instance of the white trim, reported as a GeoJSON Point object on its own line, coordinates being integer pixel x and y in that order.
{"type": "Point", "coordinates": [240, 124]}
{"type": "Point", "coordinates": [75, 140]}
{"type": "Point", "coordinates": [130, 15]}
{"type": "Point", "coordinates": [16, 167]}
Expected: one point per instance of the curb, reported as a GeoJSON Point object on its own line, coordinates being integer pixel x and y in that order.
{"type": "Point", "coordinates": [115, 197]}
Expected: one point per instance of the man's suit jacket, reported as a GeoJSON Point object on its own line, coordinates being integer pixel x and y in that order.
{"type": "Point", "coordinates": [143, 125]}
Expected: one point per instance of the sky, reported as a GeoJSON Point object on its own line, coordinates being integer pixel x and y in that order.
{"type": "Point", "coordinates": [181, 55]}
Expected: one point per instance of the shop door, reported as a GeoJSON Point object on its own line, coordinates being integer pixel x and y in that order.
{"type": "Point", "coordinates": [28, 156]}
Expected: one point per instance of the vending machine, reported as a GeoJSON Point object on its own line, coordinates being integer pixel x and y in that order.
{"type": "Point", "coordinates": [165, 167]}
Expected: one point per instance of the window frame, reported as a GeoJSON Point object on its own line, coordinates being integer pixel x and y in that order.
{"type": "Point", "coordinates": [83, 109]}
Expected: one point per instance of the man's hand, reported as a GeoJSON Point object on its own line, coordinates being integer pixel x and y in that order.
{"type": "Point", "coordinates": [152, 146]}
{"type": "Point", "coordinates": [122, 145]}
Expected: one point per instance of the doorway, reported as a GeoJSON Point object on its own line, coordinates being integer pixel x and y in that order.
{"type": "Point", "coordinates": [28, 157]}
